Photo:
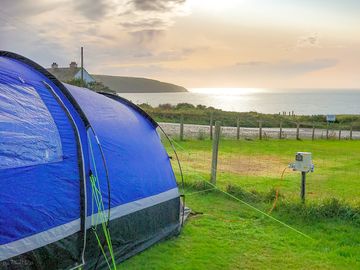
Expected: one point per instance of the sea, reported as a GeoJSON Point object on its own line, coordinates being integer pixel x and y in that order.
{"type": "Point", "coordinates": [274, 101]}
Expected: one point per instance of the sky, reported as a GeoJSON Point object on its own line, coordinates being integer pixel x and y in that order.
{"type": "Point", "coordinates": [194, 43]}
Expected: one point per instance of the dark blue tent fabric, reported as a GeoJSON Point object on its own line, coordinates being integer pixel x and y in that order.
{"type": "Point", "coordinates": [137, 163]}
{"type": "Point", "coordinates": [41, 191]}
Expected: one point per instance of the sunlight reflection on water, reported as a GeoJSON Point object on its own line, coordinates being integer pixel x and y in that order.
{"type": "Point", "coordinates": [260, 100]}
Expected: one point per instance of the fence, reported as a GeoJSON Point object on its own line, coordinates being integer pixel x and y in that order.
{"type": "Point", "coordinates": [300, 131]}
{"type": "Point", "coordinates": [258, 169]}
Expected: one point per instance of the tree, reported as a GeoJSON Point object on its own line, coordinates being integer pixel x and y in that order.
{"type": "Point", "coordinates": [95, 86]}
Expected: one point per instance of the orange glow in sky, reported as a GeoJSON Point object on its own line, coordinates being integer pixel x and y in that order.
{"type": "Point", "coordinates": [195, 43]}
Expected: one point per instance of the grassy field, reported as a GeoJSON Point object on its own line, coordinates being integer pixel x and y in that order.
{"type": "Point", "coordinates": [257, 166]}
{"type": "Point", "coordinates": [226, 234]}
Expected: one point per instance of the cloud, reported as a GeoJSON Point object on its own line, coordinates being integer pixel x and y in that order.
{"type": "Point", "coordinates": [150, 23]}
{"type": "Point", "coordinates": [143, 54]}
{"type": "Point", "coordinates": [147, 20]}
{"type": "Point", "coordinates": [157, 5]}
{"type": "Point", "coordinates": [93, 10]}
{"type": "Point", "coordinates": [284, 67]}
{"type": "Point", "coordinates": [310, 41]}
{"type": "Point", "coordinates": [167, 55]}
{"type": "Point", "coordinates": [25, 8]}
{"type": "Point", "coordinates": [6, 27]}
{"type": "Point", "coordinates": [251, 63]}
{"type": "Point", "coordinates": [146, 36]}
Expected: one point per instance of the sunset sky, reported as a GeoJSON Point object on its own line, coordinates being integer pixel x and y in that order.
{"type": "Point", "coordinates": [194, 43]}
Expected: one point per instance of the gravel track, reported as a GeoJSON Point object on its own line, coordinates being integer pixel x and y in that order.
{"type": "Point", "coordinates": [202, 131]}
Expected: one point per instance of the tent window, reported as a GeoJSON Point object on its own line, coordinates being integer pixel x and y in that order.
{"type": "Point", "coordinates": [28, 133]}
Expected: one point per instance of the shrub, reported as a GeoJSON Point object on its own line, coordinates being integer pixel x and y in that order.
{"type": "Point", "coordinates": [184, 106]}
{"type": "Point", "coordinates": [329, 208]}
{"type": "Point", "coordinates": [166, 106]}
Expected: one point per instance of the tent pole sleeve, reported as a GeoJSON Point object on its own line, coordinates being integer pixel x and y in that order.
{"type": "Point", "coordinates": [83, 196]}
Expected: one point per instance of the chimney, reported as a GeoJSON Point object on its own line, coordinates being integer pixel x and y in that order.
{"type": "Point", "coordinates": [73, 65]}
{"type": "Point", "coordinates": [54, 65]}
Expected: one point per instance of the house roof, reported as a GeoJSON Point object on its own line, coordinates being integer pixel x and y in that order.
{"type": "Point", "coordinates": [64, 74]}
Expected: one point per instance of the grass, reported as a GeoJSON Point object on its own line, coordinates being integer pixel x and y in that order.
{"type": "Point", "coordinates": [257, 165]}
{"type": "Point", "coordinates": [228, 235]}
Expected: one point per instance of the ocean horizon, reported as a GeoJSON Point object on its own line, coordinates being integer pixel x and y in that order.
{"type": "Point", "coordinates": [262, 100]}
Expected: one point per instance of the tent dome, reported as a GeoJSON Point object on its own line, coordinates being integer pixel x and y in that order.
{"type": "Point", "coordinates": [76, 167]}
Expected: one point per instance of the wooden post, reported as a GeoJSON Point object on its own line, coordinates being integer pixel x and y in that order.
{"type": "Point", "coordinates": [303, 186]}
{"type": "Point", "coordinates": [351, 129]}
{"type": "Point", "coordinates": [280, 133]}
{"type": "Point", "coordinates": [260, 130]}
{"type": "Point", "coordinates": [215, 152]}
{"type": "Point", "coordinates": [211, 125]}
{"type": "Point", "coordinates": [339, 133]}
{"type": "Point", "coordinates": [82, 66]}
{"type": "Point", "coordinates": [313, 133]}
{"type": "Point", "coordinates": [298, 131]}
{"type": "Point", "coordinates": [327, 131]}
{"type": "Point", "coordinates": [182, 127]}
{"type": "Point", "coordinates": [238, 128]}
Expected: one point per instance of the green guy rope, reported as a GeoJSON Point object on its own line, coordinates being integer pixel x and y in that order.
{"type": "Point", "coordinates": [249, 205]}
{"type": "Point", "coordinates": [100, 216]}
{"type": "Point", "coordinates": [259, 211]}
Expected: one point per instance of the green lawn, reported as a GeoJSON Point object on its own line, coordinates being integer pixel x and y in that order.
{"type": "Point", "coordinates": [257, 165]}
{"type": "Point", "coordinates": [229, 235]}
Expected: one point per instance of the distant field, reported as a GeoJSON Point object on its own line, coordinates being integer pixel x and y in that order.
{"type": "Point", "coordinates": [229, 235]}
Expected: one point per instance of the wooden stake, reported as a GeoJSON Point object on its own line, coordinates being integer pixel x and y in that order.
{"type": "Point", "coordinates": [298, 131]}
{"type": "Point", "coordinates": [215, 151]}
{"type": "Point", "coordinates": [211, 125]}
{"type": "Point", "coordinates": [303, 186]}
{"type": "Point", "coordinates": [327, 131]}
{"type": "Point", "coordinates": [182, 127]}
{"type": "Point", "coordinates": [313, 133]}
{"type": "Point", "coordinates": [260, 130]}
{"type": "Point", "coordinates": [82, 65]}
{"type": "Point", "coordinates": [238, 128]}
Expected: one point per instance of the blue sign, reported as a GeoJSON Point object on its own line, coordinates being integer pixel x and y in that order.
{"type": "Point", "coordinates": [330, 118]}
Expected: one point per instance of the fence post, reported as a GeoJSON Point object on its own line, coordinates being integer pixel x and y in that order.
{"type": "Point", "coordinates": [238, 128]}
{"type": "Point", "coordinates": [313, 133]}
{"type": "Point", "coordinates": [260, 130]}
{"type": "Point", "coordinates": [351, 129]}
{"type": "Point", "coordinates": [339, 133]}
{"type": "Point", "coordinates": [211, 125]}
{"type": "Point", "coordinates": [297, 131]}
{"type": "Point", "coordinates": [280, 134]}
{"type": "Point", "coordinates": [182, 127]}
{"type": "Point", "coordinates": [303, 186]}
{"type": "Point", "coordinates": [215, 152]}
{"type": "Point", "coordinates": [327, 131]}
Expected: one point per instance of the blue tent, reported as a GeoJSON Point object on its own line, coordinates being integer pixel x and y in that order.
{"type": "Point", "coordinates": [76, 169]}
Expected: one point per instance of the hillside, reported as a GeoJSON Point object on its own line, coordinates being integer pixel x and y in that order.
{"type": "Point", "coordinates": [137, 85]}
